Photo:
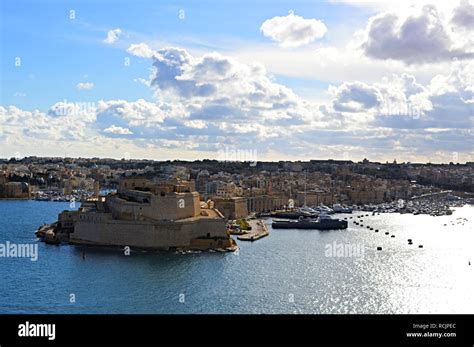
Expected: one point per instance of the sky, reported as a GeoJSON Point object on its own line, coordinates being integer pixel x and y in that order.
{"type": "Point", "coordinates": [238, 80]}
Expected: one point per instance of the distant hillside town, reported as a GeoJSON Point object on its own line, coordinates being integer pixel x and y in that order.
{"type": "Point", "coordinates": [237, 188]}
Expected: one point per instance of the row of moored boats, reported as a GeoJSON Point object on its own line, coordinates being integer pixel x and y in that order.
{"type": "Point", "coordinates": [310, 218]}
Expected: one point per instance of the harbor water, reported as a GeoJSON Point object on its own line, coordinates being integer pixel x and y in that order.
{"type": "Point", "coordinates": [289, 271]}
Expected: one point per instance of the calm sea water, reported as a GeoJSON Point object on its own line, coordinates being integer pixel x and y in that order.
{"type": "Point", "coordinates": [287, 272]}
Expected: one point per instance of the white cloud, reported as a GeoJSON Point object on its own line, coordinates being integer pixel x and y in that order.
{"type": "Point", "coordinates": [141, 50]}
{"type": "Point", "coordinates": [355, 97]}
{"type": "Point", "coordinates": [218, 88]}
{"type": "Point", "coordinates": [137, 113]}
{"type": "Point", "coordinates": [421, 36]}
{"type": "Point", "coordinates": [345, 60]}
{"type": "Point", "coordinates": [85, 85]}
{"type": "Point", "coordinates": [204, 102]}
{"type": "Point", "coordinates": [400, 102]}
{"type": "Point", "coordinates": [463, 15]}
{"type": "Point", "coordinates": [64, 122]}
{"type": "Point", "coordinates": [118, 130]}
{"type": "Point", "coordinates": [112, 36]}
{"type": "Point", "coordinates": [293, 30]}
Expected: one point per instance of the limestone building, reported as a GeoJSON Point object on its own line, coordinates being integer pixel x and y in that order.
{"type": "Point", "coordinates": [13, 190]}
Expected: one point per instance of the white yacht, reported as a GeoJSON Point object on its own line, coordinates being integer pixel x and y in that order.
{"type": "Point", "coordinates": [338, 208]}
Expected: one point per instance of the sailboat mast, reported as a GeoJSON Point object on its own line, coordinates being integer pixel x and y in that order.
{"type": "Point", "coordinates": [305, 179]}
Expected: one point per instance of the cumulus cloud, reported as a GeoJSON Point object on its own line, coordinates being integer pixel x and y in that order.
{"type": "Point", "coordinates": [445, 103]}
{"type": "Point", "coordinates": [205, 102]}
{"type": "Point", "coordinates": [113, 129]}
{"type": "Point", "coordinates": [222, 89]}
{"type": "Point", "coordinates": [137, 113]}
{"type": "Point", "coordinates": [85, 85]}
{"type": "Point", "coordinates": [355, 97]}
{"type": "Point", "coordinates": [293, 30]}
{"type": "Point", "coordinates": [464, 15]}
{"type": "Point", "coordinates": [141, 50]}
{"type": "Point", "coordinates": [224, 101]}
{"type": "Point", "coordinates": [420, 37]}
{"type": "Point", "coordinates": [409, 110]}
{"type": "Point", "coordinates": [112, 36]}
{"type": "Point", "coordinates": [63, 122]}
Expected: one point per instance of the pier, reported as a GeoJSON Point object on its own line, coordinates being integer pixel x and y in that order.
{"type": "Point", "coordinates": [259, 230]}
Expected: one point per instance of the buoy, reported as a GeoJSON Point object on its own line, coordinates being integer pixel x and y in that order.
{"type": "Point", "coordinates": [379, 248]}
{"type": "Point", "coordinates": [83, 255]}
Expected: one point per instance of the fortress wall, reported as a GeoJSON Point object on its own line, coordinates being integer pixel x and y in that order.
{"type": "Point", "coordinates": [212, 227]}
{"type": "Point", "coordinates": [146, 235]}
{"type": "Point", "coordinates": [177, 206]}
{"type": "Point", "coordinates": [172, 206]}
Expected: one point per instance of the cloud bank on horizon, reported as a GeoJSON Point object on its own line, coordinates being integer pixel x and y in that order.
{"type": "Point", "coordinates": [398, 86]}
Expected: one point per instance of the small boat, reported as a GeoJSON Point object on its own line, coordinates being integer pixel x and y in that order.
{"type": "Point", "coordinates": [338, 208]}
{"type": "Point", "coordinates": [324, 209]}
{"type": "Point", "coordinates": [293, 214]}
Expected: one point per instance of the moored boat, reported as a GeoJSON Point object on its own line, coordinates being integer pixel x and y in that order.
{"type": "Point", "coordinates": [293, 214]}
{"type": "Point", "coordinates": [338, 208]}
{"type": "Point", "coordinates": [323, 222]}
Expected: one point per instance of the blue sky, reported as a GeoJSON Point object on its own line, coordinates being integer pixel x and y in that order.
{"type": "Point", "coordinates": [57, 52]}
{"type": "Point", "coordinates": [328, 70]}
